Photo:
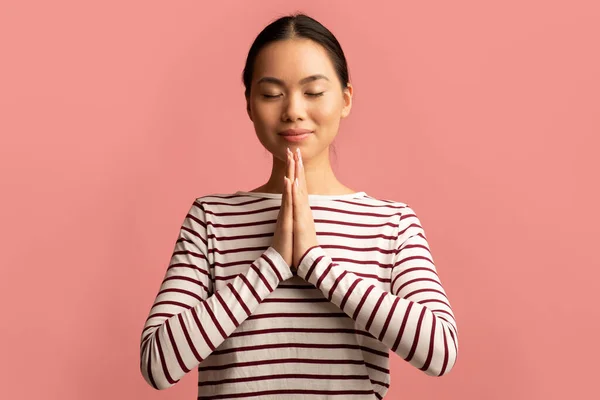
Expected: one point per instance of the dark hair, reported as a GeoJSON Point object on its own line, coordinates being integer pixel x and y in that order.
{"type": "Point", "coordinates": [292, 26]}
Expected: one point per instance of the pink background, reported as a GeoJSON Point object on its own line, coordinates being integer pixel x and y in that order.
{"type": "Point", "coordinates": [484, 117]}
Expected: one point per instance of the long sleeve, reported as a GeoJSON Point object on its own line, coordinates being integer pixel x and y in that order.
{"type": "Point", "coordinates": [187, 321]}
{"type": "Point", "coordinates": [414, 319]}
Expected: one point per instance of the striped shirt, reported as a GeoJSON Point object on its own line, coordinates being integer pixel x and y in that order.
{"type": "Point", "coordinates": [230, 306]}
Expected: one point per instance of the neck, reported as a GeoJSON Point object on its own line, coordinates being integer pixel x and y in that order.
{"type": "Point", "coordinates": [320, 178]}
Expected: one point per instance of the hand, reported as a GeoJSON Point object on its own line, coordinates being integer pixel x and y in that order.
{"type": "Point", "coordinates": [304, 232]}
{"type": "Point", "coordinates": [282, 238]}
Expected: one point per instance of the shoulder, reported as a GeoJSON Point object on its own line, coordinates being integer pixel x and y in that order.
{"type": "Point", "coordinates": [207, 199]}
{"type": "Point", "coordinates": [213, 203]}
{"type": "Point", "coordinates": [401, 206]}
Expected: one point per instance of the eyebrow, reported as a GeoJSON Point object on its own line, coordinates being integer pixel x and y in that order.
{"type": "Point", "coordinates": [302, 81]}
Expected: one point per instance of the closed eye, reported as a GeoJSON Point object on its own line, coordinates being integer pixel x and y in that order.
{"type": "Point", "coordinates": [310, 94]}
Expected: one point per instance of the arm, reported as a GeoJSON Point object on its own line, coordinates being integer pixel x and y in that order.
{"type": "Point", "coordinates": [187, 321]}
{"type": "Point", "coordinates": [414, 320]}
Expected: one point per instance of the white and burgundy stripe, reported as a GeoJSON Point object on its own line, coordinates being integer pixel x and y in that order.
{"type": "Point", "coordinates": [332, 315]}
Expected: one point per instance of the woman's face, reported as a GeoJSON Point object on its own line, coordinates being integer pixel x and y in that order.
{"type": "Point", "coordinates": [287, 101]}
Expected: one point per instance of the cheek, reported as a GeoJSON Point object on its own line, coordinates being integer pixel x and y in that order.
{"type": "Point", "coordinates": [326, 111]}
{"type": "Point", "coordinates": [264, 115]}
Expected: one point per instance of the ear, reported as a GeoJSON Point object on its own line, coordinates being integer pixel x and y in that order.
{"type": "Point", "coordinates": [347, 94]}
{"type": "Point", "coordinates": [248, 108]}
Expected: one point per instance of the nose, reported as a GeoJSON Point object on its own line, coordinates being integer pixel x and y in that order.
{"type": "Point", "coordinates": [293, 108]}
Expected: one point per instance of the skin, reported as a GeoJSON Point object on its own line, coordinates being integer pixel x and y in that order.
{"type": "Point", "coordinates": [290, 61]}
{"type": "Point", "coordinates": [304, 235]}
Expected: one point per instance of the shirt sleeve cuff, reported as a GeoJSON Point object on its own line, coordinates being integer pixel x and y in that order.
{"type": "Point", "coordinates": [308, 262]}
{"type": "Point", "coordinates": [281, 267]}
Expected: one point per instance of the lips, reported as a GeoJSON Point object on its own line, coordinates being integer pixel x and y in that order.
{"type": "Point", "coordinates": [294, 132]}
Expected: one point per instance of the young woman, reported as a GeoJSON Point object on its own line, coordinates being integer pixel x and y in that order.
{"type": "Point", "coordinates": [300, 287]}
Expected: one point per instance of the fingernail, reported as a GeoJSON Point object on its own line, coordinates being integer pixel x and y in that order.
{"type": "Point", "coordinates": [296, 182]}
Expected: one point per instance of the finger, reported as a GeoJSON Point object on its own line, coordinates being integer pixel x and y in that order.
{"type": "Point", "coordinates": [288, 163]}
{"type": "Point", "coordinates": [295, 201]}
{"type": "Point", "coordinates": [290, 209]}
{"type": "Point", "coordinates": [292, 166]}
{"type": "Point", "coordinates": [289, 218]}
{"type": "Point", "coordinates": [291, 174]}
{"type": "Point", "coordinates": [301, 189]}
{"type": "Point", "coordinates": [300, 172]}
{"type": "Point", "coordinates": [288, 196]}
{"type": "Point", "coordinates": [284, 195]}
{"type": "Point", "coordinates": [287, 205]}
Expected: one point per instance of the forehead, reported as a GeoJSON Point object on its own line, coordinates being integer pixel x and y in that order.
{"type": "Point", "coordinates": [293, 59]}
